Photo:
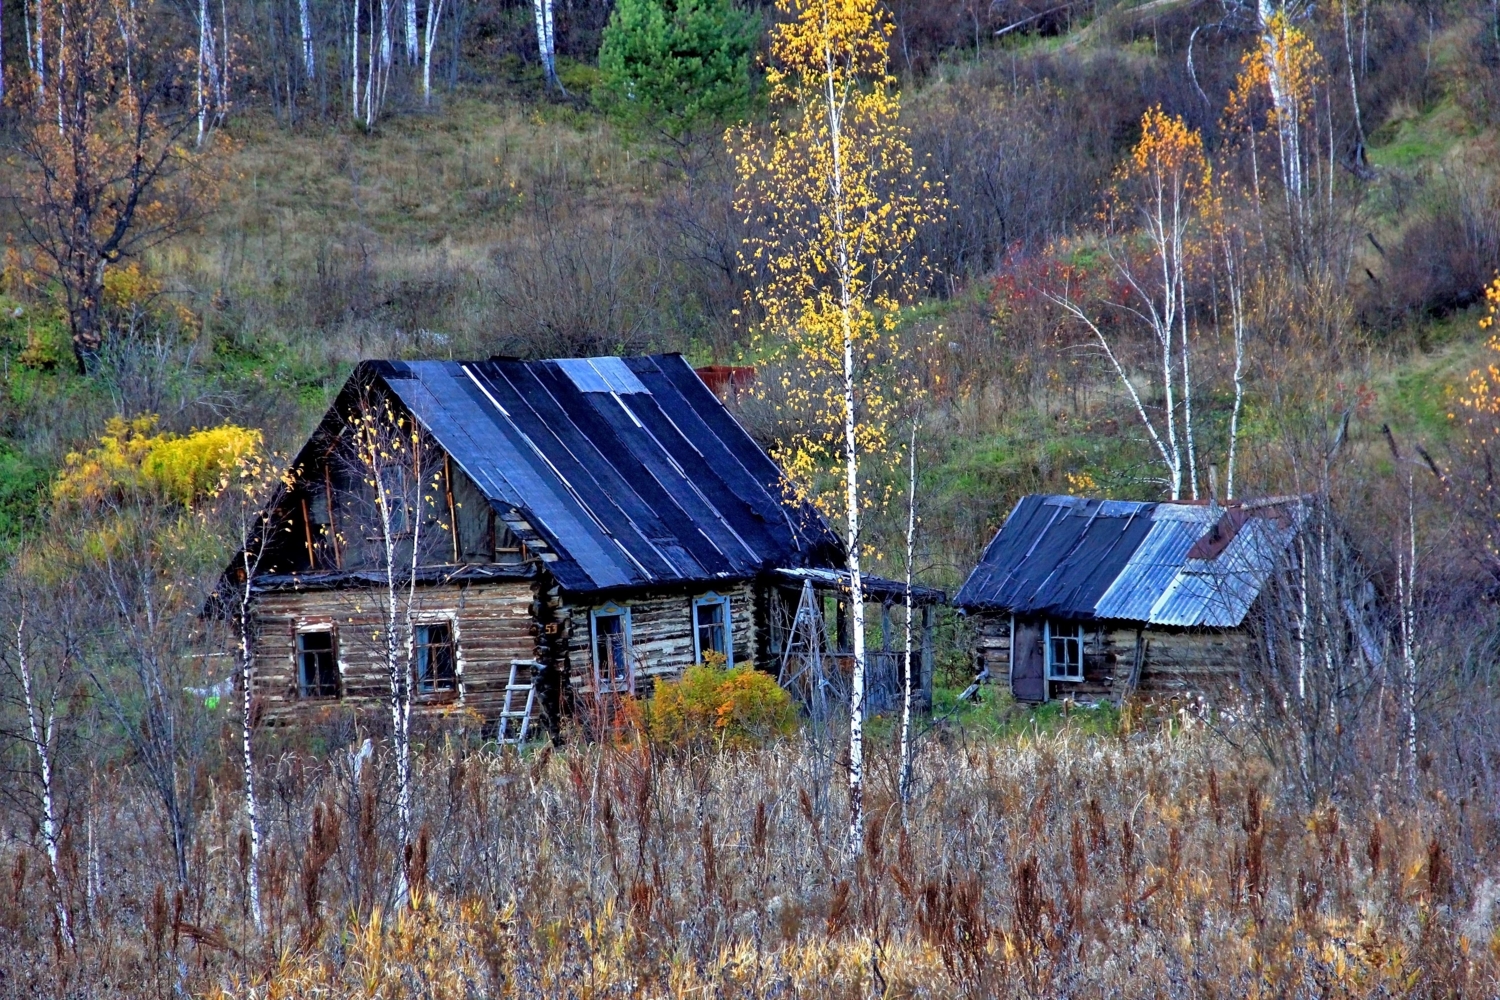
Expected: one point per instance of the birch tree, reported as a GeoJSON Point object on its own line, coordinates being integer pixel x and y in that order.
{"type": "Point", "coordinates": [412, 37]}
{"type": "Point", "coordinates": [392, 465]}
{"type": "Point", "coordinates": [833, 193]}
{"type": "Point", "coordinates": [253, 495]}
{"type": "Point", "coordinates": [546, 41]}
{"type": "Point", "coordinates": [304, 23]}
{"type": "Point", "coordinates": [42, 688]}
{"type": "Point", "coordinates": [1157, 188]}
{"type": "Point", "coordinates": [904, 785]}
{"type": "Point", "coordinates": [1284, 69]}
{"type": "Point", "coordinates": [429, 42]}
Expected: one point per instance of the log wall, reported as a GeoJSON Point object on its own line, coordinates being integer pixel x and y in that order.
{"type": "Point", "coordinates": [1177, 663]}
{"type": "Point", "coordinates": [492, 625]}
{"type": "Point", "coordinates": [661, 630]}
{"type": "Point", "coordinates": [1193, 663]}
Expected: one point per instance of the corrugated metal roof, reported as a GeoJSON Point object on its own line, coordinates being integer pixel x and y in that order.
{"type": "Point", "coordinates": [1066, 557]}
{"type": "Point", "coordinates": [1218, 593]}
{"type": "Point", "coordinates": [630, 468]}
{"type": "Point", "coordinates": [1056, 556]}
{"type": "Point", "coordinates": [1154, 566]}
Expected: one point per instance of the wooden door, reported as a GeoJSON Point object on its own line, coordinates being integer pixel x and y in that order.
{"type": "Point", "coordinates": [1028, 668]}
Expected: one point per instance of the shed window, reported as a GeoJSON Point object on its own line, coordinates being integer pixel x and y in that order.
{"type": "Point", "coordinates": [1064, 645]}
{"type": "Point", "coordinates": [711, 628]}
{"type": "Point", "coordinates": [613, 671]}
{"type": "Point", "coordinates": [317, 664]}
{"type": "Point", "coordinates": [435, 659]}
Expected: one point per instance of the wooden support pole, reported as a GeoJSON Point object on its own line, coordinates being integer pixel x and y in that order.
{"type": "Point", "coordinates": [452, 508]}
{"type": "Point", "coordinates": [312, 560]}
{"type": "Point", "coordinates": [927, 657]}
{"type": "Point", "coordinates": [333, 525]}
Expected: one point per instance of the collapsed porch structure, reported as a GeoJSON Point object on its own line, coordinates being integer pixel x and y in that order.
{"type": "Point", "coordinates": [812, 649]}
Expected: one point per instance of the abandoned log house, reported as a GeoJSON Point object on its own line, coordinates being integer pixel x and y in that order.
{"type": "Point", "coordinates": [550, 534]}
{"type": "Point", "coordinates": [1092, 599]}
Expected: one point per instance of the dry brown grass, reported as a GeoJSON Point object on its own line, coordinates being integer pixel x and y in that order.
{"type": "Point", "coordinates": [492, 226]}
{"type": "Point", "coordinates": [1159, 864]}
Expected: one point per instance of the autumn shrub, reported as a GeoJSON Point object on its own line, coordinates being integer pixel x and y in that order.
{"type": "Point", "coordinates": [133, 456]}
{"type": "Point", "coordinates": [736, 707]}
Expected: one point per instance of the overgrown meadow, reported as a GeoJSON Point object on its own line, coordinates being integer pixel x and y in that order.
{"type": "Point", "coordinates": [1154, 860]}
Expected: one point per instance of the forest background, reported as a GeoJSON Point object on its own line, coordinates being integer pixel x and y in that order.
{"type": "Point", "coordinates": [341, 181]}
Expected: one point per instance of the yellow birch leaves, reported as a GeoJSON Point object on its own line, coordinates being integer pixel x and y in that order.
{"type": "Point", "coordinates": [834, 201]}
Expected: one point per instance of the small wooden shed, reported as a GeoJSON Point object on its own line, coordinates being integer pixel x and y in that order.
{"type": "Point", "coordinates": [1091, 599]}
{"type": "Point", "coordinates": [587, 526]}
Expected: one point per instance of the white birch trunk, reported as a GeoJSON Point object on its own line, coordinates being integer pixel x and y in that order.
{"type": "Point", "coordinates": [542, 11]}
{"type": "Point", "coordinates": [1407, 581]}
{"type": "Point", "coordinates": [1140, 407]}
{"type": "Point", "coordinates": [36, 52]}
{"type": "Point", "coordinates": [41, 742]}
{"type": "Point", "coordinates": [1288, 130]}
{"type": "Point", "coordinates": [429, 42]}
{"type": "Point", "coordinates": [247, 749]}
{"type": "Point", "coordinates": [387, 49]}
{"type": "Point", "coordinates": [1237, 327]}
{"type": "Point", "coordinates": [397, 665]}
{"type": "Point", "coordinates": [221, 66]}
{"type": "Point", "coordinates": [844, 270]}
{"type": "Point", "coordinates": [906, 691]}
{"type": "Point", "coordinates": [354, 59]}
{"type": "Point", "coordinates": [304, 18]}
{"type": "Point", "coordinates": [202, 55]}
{"type": "Point", "coordinates": [411, 32]}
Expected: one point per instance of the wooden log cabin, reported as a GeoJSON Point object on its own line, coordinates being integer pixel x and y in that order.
{"type": "Point", "coordinates": [584, 526]}
{"type": "Point", "coordinates": [1091, 599]}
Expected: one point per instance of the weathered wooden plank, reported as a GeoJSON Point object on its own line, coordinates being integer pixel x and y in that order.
{"type": "Point", "coordinates": [492, 625]}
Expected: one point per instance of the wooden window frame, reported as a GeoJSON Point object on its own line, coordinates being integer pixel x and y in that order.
{"type": "Point", "coordinates": [317, 628]}
{"type": "Point", "coordinates": [612, 684]}
{"type": "Point", "coordinates": [1076, 635]}
{"type": "Point", "coordinates": [712, 599]}
{"type": "Point", "coordinates": [425, 692]}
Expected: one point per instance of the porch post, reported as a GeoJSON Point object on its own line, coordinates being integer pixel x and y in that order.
{"type": "Point", "coordinates": [925, 699]}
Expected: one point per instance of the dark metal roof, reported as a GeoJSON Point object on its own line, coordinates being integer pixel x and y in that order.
{"type": "Point", "coordinates": [876, 588]}
{"type": "Point", "coordinates": [1172, 564]}
{"type": "Point", "coordinates": [1056, 555]}
{"type": "Point", "coordinates": [630, 469]}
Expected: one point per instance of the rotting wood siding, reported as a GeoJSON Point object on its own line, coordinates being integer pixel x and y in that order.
{"type": "Point", "coordinates": [493, 624]}
{"type": "Point", "coordinates": [661, 629]}
{"type": "Point", "coordinates": [1175, 663]}
{"type": "Point", "coordinates": [1209, 664]}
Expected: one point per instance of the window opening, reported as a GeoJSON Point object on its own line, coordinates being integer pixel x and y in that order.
{"type": "Point", "coordinates": [318, 666]}
{"type": "Point", "coordinates": [1064, 644]}
{"type": "Point", "coordinates": [612, 667]}
{"type": "Point", "coordinates": [711, 628]}
{"type": "Point", "coordinates": [435, 658]}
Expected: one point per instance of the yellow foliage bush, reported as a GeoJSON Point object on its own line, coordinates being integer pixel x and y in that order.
{"type": "Point", "coordinates": [738, 707]}
{"type": "Point", "coordinates": [133, 456]}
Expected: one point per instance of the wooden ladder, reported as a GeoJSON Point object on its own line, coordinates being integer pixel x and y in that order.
{"type": "Point", "coordinates": [515, 722]}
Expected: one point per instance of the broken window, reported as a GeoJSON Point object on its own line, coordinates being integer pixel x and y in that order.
{"type": "Point", "coordinates": [1064, 645]}
{"type": "Point", "coordinates": [711, 628]}
{"type": "Point", "coordinates": [317, 664]}
{"type": "Point", "coordinates": [436, 661]}
{"type": "Point", "coordinates": [611, 634]}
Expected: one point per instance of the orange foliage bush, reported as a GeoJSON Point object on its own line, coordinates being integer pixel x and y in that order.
{"type": "Point", "coordinates": [736, 707]}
